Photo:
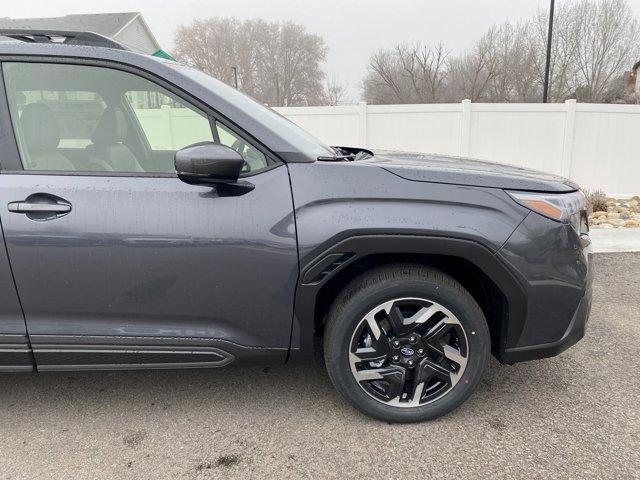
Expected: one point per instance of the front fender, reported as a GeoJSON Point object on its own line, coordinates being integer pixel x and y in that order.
{"type": "Point", "coordinates": [336, 258]}
{"type": "Point", "coordinates": [346, 210]}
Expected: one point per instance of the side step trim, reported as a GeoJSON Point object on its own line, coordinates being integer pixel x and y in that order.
{"type": "Point", "coordinates": [15, 354]}
{"type": "Point", "coordinates": [77, 352]}
{"type": "Point", "coordinates": [103, 357]}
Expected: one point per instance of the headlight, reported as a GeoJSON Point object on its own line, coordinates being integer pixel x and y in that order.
{"type": "Point", "coordinates": [562, 207]}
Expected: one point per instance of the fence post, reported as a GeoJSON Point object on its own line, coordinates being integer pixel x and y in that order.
{"type": "Point", "coordinates": [465, 128]}
{"type": "Point", "coordinates": [362, 124]}
{"type": "Point", "coordinates": [569, 132]}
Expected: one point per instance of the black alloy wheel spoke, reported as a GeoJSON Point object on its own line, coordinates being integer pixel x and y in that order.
{"type": "Point", "coordinates": [389, 381]}
{"type": "Point", "coordinates": [408, 351]}
{"type": "Point", "coordinates": [397, 321]}
{"type": "Point", "coordinates": [433, 339]}
{"type": "Point", "coordinates": [402, 325]}
{"type": "Point", "coordinates": [395, 379]}
{"type": "Point", "coordinates": [378, 350]}
{"type": "Point", "coordinates": [430, 370]}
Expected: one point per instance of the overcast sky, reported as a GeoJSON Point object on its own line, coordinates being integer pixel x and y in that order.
{"type": "Point", "coordinates": [352, 29]}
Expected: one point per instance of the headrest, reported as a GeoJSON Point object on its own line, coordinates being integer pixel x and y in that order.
{"type": "Point", "coordinates": [39, 128]}
{"type": "Point", "coordinates": [111, 129]}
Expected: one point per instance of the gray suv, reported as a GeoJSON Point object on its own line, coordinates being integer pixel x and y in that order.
{"type": "Point", "coordinates": [154, 217]}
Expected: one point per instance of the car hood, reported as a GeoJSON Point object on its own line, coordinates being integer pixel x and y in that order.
{"type": "Point", "coordinates": [463, 171]}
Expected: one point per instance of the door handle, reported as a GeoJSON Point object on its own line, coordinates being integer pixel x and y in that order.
{"type": "Point", "coordinates": [41, 207]}
{"type": "Point", "coordinates": [28, 207]}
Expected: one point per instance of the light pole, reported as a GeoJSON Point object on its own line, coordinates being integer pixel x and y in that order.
{"type": "Point", "coordinates": [235, 76]}
{"type": "Point", "coordinates": [547, 68]}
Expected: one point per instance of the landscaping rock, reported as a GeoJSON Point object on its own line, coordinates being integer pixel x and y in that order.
{"type": "Point", "coordinates": [619, 213]}
{"type": "Point", "coordinates": [616, 222]}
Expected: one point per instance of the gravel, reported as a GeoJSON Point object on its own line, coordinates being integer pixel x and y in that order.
{"type": "Point", "coordinates": [617, 213]}
{"type": "Point", "coordinates": [572, 416]}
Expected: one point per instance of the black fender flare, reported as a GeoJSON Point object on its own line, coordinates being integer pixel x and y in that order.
{"type": "Point", "coordinates": [323, 266]}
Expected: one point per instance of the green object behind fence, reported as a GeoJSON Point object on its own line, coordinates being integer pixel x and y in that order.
{"type": "Point", "coordinates": [163, 54]}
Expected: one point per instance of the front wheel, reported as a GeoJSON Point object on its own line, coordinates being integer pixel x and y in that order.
{"type": "Point", "coordinates": [406, 343]}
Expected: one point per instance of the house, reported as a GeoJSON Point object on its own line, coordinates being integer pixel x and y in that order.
{"type": "Point", "coordinates": [634, 81]}
{"type": "Point", "coordinates": [127, 28]}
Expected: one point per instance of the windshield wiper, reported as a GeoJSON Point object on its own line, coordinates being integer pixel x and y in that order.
{"type": "Point", "coordinates": [337, 158]}
{"type": "Point", "coordinates": [346, 154]}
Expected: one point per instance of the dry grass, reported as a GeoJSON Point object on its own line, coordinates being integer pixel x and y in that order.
{"type": "Point", "coordinates": [596, 201]}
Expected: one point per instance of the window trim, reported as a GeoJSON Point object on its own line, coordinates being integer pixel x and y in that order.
{"type": "Point", "coordinates": [10, 146]}
{"type": "Point", "coordinates": [8, 140]}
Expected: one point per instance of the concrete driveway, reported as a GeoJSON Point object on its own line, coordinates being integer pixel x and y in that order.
{"type": "Point", "coordinates": [573, 416]}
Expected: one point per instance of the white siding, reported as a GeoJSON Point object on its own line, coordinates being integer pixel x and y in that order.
{"type": "Point", "coordinates": [136, 37]}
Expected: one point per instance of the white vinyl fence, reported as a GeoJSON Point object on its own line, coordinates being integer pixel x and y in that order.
{"type": "Point", "coordinates": [596, 145]}
{"type": "Point", "coordinates": [173, 128]}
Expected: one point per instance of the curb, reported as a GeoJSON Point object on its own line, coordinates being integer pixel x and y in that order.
{"type": "Point", "coordinates": [615, 240]}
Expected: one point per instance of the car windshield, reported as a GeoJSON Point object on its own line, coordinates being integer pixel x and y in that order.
{"type": "Point", "coordinates": [281, 126]}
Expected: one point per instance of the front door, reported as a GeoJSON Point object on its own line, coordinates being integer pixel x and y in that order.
{"type": "Point", "coordinates": [116, 261]}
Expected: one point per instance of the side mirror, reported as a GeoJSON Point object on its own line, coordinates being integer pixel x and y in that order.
{"type": "Point", "coordinates": [208, 163]}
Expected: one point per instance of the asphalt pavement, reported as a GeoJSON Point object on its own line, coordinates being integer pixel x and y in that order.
{"type": "Point", "coordinates": [573, 416]}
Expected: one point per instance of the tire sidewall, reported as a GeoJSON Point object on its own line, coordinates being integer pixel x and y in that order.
{"type": "Point", "coordinates": [362, 302]}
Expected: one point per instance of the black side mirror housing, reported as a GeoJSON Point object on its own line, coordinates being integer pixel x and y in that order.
{"type": "Point", "coordinates": [212, 164]}
{"type": "Point", "coordinates": [208, 163]}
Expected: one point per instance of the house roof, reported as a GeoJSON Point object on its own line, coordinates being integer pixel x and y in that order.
{"type": "Point", "coordinates": [108, 24]}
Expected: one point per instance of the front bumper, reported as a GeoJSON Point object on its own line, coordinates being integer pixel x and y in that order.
{"type": "Point", "coordinates": [574, 333]}
{"type": "Point", "coordinates": [552, 262]}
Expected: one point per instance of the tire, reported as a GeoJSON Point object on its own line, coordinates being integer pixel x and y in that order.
{"type": "Point", "coordinates": [398, 391]}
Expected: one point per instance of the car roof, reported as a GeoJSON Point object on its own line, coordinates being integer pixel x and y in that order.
{"type": "Point", "coordinates": [19, 48]}
{"type": "Point", "coordinates": [165, 70]}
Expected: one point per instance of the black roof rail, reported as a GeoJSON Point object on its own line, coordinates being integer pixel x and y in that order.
{"type": "Point", "coordinates": [65, 37]}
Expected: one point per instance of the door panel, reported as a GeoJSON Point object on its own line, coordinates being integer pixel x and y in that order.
{"type": "Point", "coordinates": [152, 261]}
{"type": "Point", "coordinates": [15, 352]}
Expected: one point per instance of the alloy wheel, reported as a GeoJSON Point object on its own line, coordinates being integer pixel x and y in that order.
{"type": "Point", "coordinates": [408, 352]}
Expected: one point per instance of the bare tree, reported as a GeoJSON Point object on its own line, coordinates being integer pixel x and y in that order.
{"type": "Point", "coordinates": [610, 41]}
{"type": "Point", "coordinates": [210, 45]}
{"type": "Point", "coordinates": [382, 84]}
{"type": "Point", "coordinates": [408, 73]}
{"type": "Point", "coordinates": [278, 63]}
{"type": "Point", "coordinates": [595, 42]}
{"type": "Point", "coordinates": [289, 61]}
{"type": "Point", "coordinates": [472, 74]}
{"type": "Point", "coordinates": [334, 93]}
{"type": "Point", "coordinates": [517, 78]}
{"type": "Point", "coordinates": [564, 50]}
{"type": "Point", "coordinates": [501, 67]}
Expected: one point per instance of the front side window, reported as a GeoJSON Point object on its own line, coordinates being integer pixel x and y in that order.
{"type": "Point", "coordinates": [94, 119]}
{"type": "Point", "coordinates": [168, 123]}
{"type": "Point", "coordinates": [254, 158]}
{"type": "Point", "coordinates": [77, 113]}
